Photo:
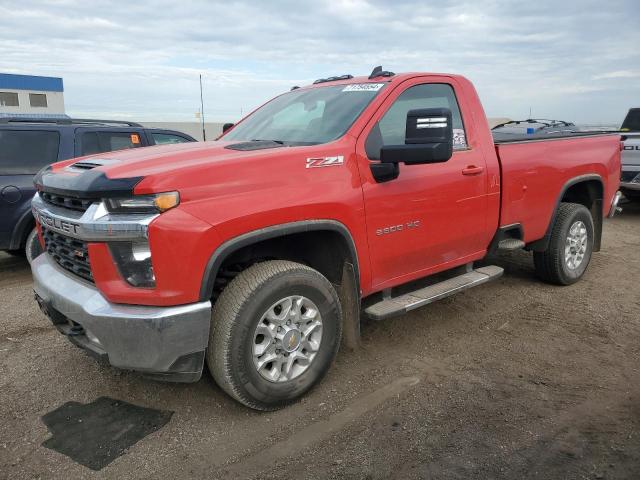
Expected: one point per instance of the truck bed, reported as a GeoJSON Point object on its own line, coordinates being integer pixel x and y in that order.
{"type": "Point", "coordinates": [535, 173]}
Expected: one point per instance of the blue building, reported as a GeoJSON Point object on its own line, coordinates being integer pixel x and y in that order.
{"type": "Point", "coordinates": [31, 96]}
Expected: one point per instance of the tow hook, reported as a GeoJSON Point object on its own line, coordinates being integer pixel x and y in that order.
{"type": "Point", "coordinates": [41, 304]}
{"type": "Point", "coordinates": [75, 331]}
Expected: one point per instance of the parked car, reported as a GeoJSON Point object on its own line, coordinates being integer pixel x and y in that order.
{"type": "Point", "coordinates": [28, 144]}
{"type": "Point", "coordinates": [630, 180]}
{"type": "Point", "coordinates": [257, 252]}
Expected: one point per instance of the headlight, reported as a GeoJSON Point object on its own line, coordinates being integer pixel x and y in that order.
{"type": "Point", "coordinates": [156, 203]}
{"type": "Point", "coordinates": [134, 262]}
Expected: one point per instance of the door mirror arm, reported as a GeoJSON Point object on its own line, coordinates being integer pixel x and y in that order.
{"type": "Point", "coordinates": [383, 172]}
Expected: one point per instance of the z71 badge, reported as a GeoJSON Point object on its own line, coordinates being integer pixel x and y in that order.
{"type": "Point", "coordinates": [325, 161]}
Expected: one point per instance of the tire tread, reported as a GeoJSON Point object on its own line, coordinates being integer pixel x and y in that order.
{"type": "Point", "coordinates": [548, 264]}
{"type": "Point", "coordinates": [225, 312]}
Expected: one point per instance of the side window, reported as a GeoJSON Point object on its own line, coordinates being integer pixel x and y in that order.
{"type": "Point", "coordinates": [9, 99]}
{"type": "Point", "coordinates": [390, 129]}
{"type": "Point", "coordinates": [38, 99]}
{"type": "Point", "coordinates": [26, 152]}
{"type": "Point", "coordinates": [100, 142]}
{"type": "Point", "coordinates": [167, 138]}
{"type": "Point", "coordinates": [632, 121]}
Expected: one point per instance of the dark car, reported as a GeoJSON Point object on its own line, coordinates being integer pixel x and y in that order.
{"type": "Point", "coordinates": [28, 144]}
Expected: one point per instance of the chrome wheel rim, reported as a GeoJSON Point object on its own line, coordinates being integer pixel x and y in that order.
{"type": "Point", "coordinates": [287, 339]}
{"type": "Point", "coordinates": [576, 245]}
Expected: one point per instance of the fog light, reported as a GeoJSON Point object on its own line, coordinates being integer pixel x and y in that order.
{"type": "Point", "coordinates": [134, 262]}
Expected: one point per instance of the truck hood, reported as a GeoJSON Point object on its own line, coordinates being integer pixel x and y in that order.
{"type": "Point", "coordinates": [117, 173]}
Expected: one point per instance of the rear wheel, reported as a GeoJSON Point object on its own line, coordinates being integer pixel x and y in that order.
{"type": "Point", "coordinates": [275, 331]}
{"type": "Point", "coordinates": [570, 247]}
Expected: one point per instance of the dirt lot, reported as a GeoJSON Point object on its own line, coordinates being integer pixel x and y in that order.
{"type": "Point", "coordinates": [514, 379]}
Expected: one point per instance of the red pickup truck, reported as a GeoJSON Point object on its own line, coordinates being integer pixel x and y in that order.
{"type": "Point", "coordinates": [256, 253]}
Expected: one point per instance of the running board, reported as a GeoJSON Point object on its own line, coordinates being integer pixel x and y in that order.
{"type": "Point", "coordinates": [390, 307]}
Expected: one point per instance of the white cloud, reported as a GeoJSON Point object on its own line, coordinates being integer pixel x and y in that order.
{"type": "Point", "coordinates": [618, 74]}
{"type": "Point", "coordinates": [142, 59]}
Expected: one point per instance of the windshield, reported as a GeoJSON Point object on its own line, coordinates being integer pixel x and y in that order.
{"type": "Point", "coordinates": [307, 117]}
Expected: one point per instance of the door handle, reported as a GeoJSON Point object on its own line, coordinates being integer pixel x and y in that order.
{"type": "Point", "coordinates": [472, 170]}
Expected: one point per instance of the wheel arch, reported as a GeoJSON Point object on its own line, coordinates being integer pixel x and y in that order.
{"type": "Point", "coordinates": [24, 225]}
{"type": "Point", "coordinates": [313, 232]}
{"type": "Point", "coordinates": [587, 190]}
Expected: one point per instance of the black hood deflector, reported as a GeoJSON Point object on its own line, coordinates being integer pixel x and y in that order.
{"type": "Point", "coordinates": [89, 184]}
{"type": "Point", "coordinates": [254, 145]}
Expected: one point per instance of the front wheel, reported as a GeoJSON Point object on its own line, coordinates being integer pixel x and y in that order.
{"type": "Point", "coordinates": [275, 331]}
{"type": "Point", "coordinates": [569, 252]}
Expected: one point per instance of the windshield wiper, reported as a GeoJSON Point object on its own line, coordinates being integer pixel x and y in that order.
{"type": "Point", "coordinates": [279, 142]}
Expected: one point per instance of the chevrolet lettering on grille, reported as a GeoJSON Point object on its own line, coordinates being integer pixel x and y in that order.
{"type": "Point", "coordinates": [59, 225]}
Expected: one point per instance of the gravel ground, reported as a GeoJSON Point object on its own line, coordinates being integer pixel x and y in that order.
{"type": "Point", "coordinates": [514, 379]}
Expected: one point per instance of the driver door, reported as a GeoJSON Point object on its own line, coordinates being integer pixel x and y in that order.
{"type": "Point", "coordinates": [433, 216]}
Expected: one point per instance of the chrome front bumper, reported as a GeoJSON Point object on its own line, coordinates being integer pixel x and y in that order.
{"type": "Point", "coordinates": [166, 342]}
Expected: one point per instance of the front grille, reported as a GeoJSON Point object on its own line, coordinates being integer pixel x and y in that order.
{"type": "Point", "coordinates": [70, 253]}
{"type": "Point", "coordinates": [73, 203]}
{"type": "Point", "coordinates": [629, 176]}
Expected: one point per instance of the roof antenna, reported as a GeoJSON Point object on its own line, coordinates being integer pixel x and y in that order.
{"type": "Point", "coordinates": [376, 71]}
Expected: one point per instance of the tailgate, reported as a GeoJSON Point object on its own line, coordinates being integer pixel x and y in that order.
{"type": "Point", "coordinates": [631, 151]}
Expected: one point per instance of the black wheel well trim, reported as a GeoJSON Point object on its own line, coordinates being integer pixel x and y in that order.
{"type": "Point", "coordinates": [542, 244]}
{"type": "Point", "coordinates": [267, 233]}
{"type": "Point", "coordinates": [22, 229]}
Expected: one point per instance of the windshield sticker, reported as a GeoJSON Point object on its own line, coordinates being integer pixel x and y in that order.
{"type": "Point", "coordinates": [363, 87]}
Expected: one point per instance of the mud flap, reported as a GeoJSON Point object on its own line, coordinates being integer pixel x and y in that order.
{"type": "Point", "coordinates": [350, 301]}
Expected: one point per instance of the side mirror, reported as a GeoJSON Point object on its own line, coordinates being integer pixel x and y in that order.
{"type": "Point", "coordinates": [428, 139]}
{"type": "Point", "coordinates": [227, 126]}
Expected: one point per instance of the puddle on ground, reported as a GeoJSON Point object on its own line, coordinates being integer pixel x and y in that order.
{"type": "Point", "coordinates": [97, 433]}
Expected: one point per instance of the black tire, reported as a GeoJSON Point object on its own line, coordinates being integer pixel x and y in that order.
{"type": "Point", "coordinates": [32, 246]}
{"type": "Point", "coordinates": [550, 265]}
{"type": "Point", "coordinates": [235, 317]}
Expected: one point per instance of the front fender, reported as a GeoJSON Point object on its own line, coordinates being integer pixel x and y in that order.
{"type": "Point", "coordinates": [234, 244]}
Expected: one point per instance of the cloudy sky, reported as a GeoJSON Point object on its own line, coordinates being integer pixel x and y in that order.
{"type": "Point", "coordinates": [575, 60]}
